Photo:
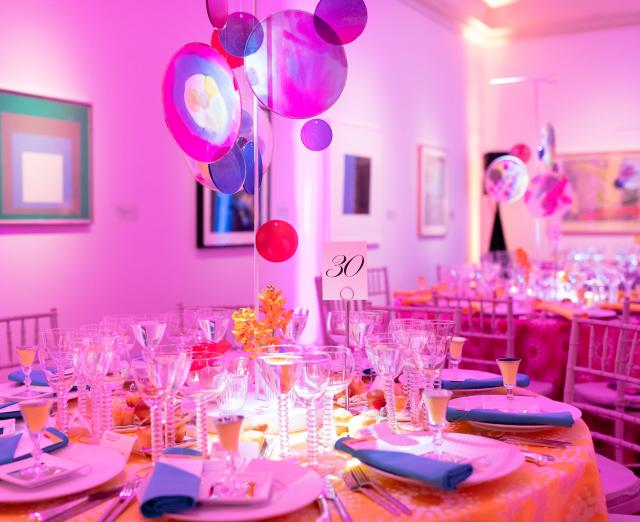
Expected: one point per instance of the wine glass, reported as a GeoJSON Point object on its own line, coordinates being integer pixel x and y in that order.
{"type": "Point", "coordinates": [311, 386]}
{"type": "Point", "coordinates": [509, 370]}
{"type": "Point", "coordinates": [58, 358]}
{"type": "Point", "coordinates": [361, 324]}
{"type": "Point", "coordinates": [152, 395]}
{"type": "Point", "coordinates": [35, 413]}
{"type": "Point", "coordinates": [296, 325]}
{"type": "Point", "coordinates": [437, 401]}
{"type": "Point", "coordinates": [280, 371]}
{"type": "Point", "coordinates": [408, 332]}
{"type": "Point", "coordinates": [228, 428]}
{"type": "Point", "coordinates": [213, 322]}
{"type": "Point", "coordinates": [341, 371]}
{"type": "Point", "coordinates": [205, 381]}
{"type": "Point", "coordinates": [386, 356]}
{"type": "Point", "coordinates": [26, 356]}
{"type": "Point", "coordinates": [455, 353]}
{"type": "Point", "coordinates": [148, 329]}
{"type": "Point", "coordinates": [182, 327]}
{"type": "Point", "coordinates": [434, 352]}
{"type": "Point", "coordinates": [234, 394]}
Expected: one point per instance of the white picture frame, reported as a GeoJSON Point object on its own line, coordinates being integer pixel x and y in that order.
{"type": "Point", "coordinates": [432, 191]}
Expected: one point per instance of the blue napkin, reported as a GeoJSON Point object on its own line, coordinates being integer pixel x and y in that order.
{"type": "Point", "coordinates": [8, 445]}
{"type": "Point", "coordinates": [38, 378]}
{"type": "Point", "coordinates": [170, 489]}
{"type": "Point", "coordinates": [9, 414]}
{"type": "Point", "coordinates": [563, 419]}
{"type": "Point", "coordinates": [443, 475]}
{"type": "Point", "coordinates": [493, 382]}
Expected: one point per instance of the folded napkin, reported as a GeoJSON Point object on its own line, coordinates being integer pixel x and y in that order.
{"type": "Point", "coordinates": [443, 475]}
{"type": "Point", "coordinates": [563, 419]}
{"type": "Point", "coordinates": [11, 414]}
{"type": "Point", "coordinates": [566, 311]}
{"type": "Point", "coordinates": [172, 488]}
{"type": "Point", "coordinates": [492, 382]}
{"type": "Point", "coordinates": [8, 445]}
{"type": "Point", "coordinates": [38, 378]}
{"type": "Point", "coordinates": [619, 307]}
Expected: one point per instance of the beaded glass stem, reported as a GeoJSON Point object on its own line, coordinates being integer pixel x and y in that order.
{"type": "Point", "coordinates": [170, 422]}
{"type": "Point", "coordinates": [312, 432]}
{"type": "Point", "coordinates": [414, 398]}
{"type": "Point", "coordinates": [328, 423]}
{"type": "Point", "coordinates": [283, 425]}
{"type": "Point", "coordinates": [201, 425]}
{"type": "Point", "coordinates": [156, 430]}
{"type": "Point", "coordinates": [62, 415]}
{"type": "Point", "coordinates": [390, 398]}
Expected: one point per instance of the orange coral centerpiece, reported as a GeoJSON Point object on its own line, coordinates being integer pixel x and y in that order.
{"type": "Point", "coordinates": [255, 333]}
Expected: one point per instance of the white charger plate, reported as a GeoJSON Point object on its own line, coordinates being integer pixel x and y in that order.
{"type": "Point", "coordinates": [520, 403]}
{"type": "Point", "coordinates": [11, 391]}
{"type": "Point", "coordinates": [491, 459]}
{"type": "Point", "coordinates": [293, 487]}
{"type": "Point", "coordinates": [105, 463]}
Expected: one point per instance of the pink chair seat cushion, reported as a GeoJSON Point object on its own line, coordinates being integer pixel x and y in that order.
{"type": "Point", "coordinates": [621, 486]}
{"type": "Point", "coordinates": [601, 394]}
{"type": "Point", "coordinates": [541, 388]}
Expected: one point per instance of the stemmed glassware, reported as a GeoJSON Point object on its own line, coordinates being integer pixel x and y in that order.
{"type": "Point", "coordinates": [152, 394]}
{"type": "Point", "coordinates": [26, 356]}
{"type": "Point", "coordinates": [408, 332]}
{"type": "Point", "coordinates": [386, 356]}
{"type": "Point", "coordinates": [431, 355]}
{"type": "Point", "coordinates": [509, 370]}
{"type": "Point", "coordinates": [234, 394]}
{"type": "Point", "coordinates": [437, 401]}
{"type": "Point", "coordinates": [228, 428]}
{"type": "Point", "coordinates": [182, 327]}
{"type": "Point", "coordinates": [213, 322]}
{"type": "Point", "coordinates": [35, 413]}
{"type": "Point", "coordinates": [205, 381]}
{"type": "Point", "coordinates": [58, 358]}
{"type": "Point", "coordinates": [296, 325]}
{"type": "Point", "coordinates": [148, 329]}
{"type": "Point", "coordinates": [182, 355]}
{"type": "Point", "coordinates": [280, 372]}
{"type": "Point", "coordinates": [455, 353]}
{"type": "Point", "coordinates": [340, 373]}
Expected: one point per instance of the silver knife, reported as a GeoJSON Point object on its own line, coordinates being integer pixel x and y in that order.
{"type": "Point", "coordinates": [330, 493]}
{"type": "Point", "coordinates": [73, 507]}
{"type": "Point", "coordinates": [120, 508]}
{"type": "Point", "coordinates": [325, 515]}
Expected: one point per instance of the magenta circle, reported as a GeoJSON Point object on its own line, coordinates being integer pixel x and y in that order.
{"type": "Point", "coordinates": [217, 11]}
{"type": "Point", "coordinates": [316, 134]}
{"type": "Point", "coordinates": [347, 19]}
{"type": "Point", "coordinates": [295, 72]}
{"type": "Point", "coordinates": [201, 102]}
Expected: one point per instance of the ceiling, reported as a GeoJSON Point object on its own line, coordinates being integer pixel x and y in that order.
{"type": "Point", "coordinates": [519, 18]}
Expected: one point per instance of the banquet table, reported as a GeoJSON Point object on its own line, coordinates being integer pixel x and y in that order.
{"type": "Point", "coordinates": [569, 489]}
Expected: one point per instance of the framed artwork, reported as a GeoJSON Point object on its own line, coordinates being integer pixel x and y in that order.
{"type": "Point", "coordinates": [354, 178]}
{"type": "Point", "coordinates": [432, 191]}
{"type": "Point", "coordinates": [606, 189]}
{"type": "Point", "coordinates": [45, 160]}
{"type": "Point", "coordinates": [226, 220]}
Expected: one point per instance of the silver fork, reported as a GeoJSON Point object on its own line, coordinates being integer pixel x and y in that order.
{"type": "Point", "coordinates": [330, 493]}
{"type": "Point", "coordinates": [361, 478]}
{"type": "Point", "coordinates": [119, 504]}
{"type": "Point", "coordinates": [353, 485]}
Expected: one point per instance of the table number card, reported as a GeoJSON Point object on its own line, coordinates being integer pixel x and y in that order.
{"type": "Point", "coordinates": [344, 271]}
{"type": "Point", "coordinates": [121, 443]}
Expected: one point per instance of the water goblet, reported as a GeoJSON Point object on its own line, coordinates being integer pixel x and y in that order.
{"type": "Point", "coordinates": [26, 356]}
{"type": "Point", "coordinates": [234, 394]}
{"type": "Point", "coordinates": [182, 327]}
{"type": "Point", "coordinates": [434, 352]}
{"type": "Point", "coordinates": [148, 329]}
{"type": "Point", "coordinates": [213, 322]}
{"type": "Point", "coordinates": [205, 381]}
{"type": "Point", "coordinates": [228, 428]}
{"type": "Point", "coordinates": [455, 353]}
{"type": "Point", "coordinates": [280, 371]}
{"type": "Point", "coordinates": [509, 370]}
{"type": "Point", "coordinates": [35, 413]}
{"type": "Point", "coordinates": [386, 356]}
{"type": "Point", "coordinates": [436, 401]}
{"type": "Point", "coordinates": [340, 373]}
{"type": "Point", "coordinates": [311, 386]}
{"type": "Point", "coordinates": [296, 325]}
{"type": "Point", "coordinates": [58, 358]}
{"type": "Point", "coordinates": [361, 324]}
{"type": "Point", "coordinates": [238, 363]}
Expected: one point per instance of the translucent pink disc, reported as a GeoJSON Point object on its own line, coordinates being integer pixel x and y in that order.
{"type": "Point", "coordinates": [228, 173]}
{"type": "Point", "coordinates": [276, 241]}
{"type": "Point", "coordinates": [295, 72]}
{"type": "Point", "coordinates": [217, 10]}
{"type": "Point", "coordinates": [201, 102]}
{"type": "Point", "coordinates": [347, 19]}
{"type": "Point", "coordinates": [316, 134]}
{"type": "Point", "coordinates": [521, 151]}
{"type": "Point", "coordinates": [548, 195]}
{"type": "Point", "coordinates": [506, 179]}
{"type": "Point", "coordinates": [200, 171]}
{"type": "Point", "coordinates": [234, 35]}
{"type": "Point", "coordinates": [249, 163]}
{"type": "Point", "coordinates": [265, 133]}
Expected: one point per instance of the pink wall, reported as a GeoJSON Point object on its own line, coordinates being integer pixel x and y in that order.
{"type": "Point", "coordinates": [593, 104]}
{"type": "Point", "coordinates": [407, 79]}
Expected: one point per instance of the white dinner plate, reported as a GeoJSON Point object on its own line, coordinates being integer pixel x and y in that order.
{"type": "Point", "coordinates": [103, 464]}
{"type": "Point", "coordinates": [293, 487]}
{"type": "Point", "coordinates": [448, 374]}
{"type": "Point", "coordinates": [14, 391]}
{"type": "Point", "coordinates": [520, 404]}
{"type": "Point", "coordinates": [491, 459]}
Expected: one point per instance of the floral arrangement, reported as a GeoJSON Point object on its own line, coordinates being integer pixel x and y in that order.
{"type": "Point", "coordinates": [255, 333]}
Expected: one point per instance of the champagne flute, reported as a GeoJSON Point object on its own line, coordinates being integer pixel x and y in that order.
{"type": "Point", "coordinates": [455, 353]}
{"type": "Point", "coordinates": [148, 329]}
{"type": "Point", "coordinates": [437, 401]}
{"type": "Point", "coordinates": [280, 371]}
{"type": "Point", "coordinates": [213, 322]}
{"type": "Point", "coordinates": [341, 371]}
{"type": "Point", "coordinates": [205, 381]}
{"type": "Point", "coordinates": [26, 356]}
{"type": "Point", "coordinates": [310, 386]}
{"type": "Point", "coordinates": [509, 370]}
{"type": "Point", "coordinates": [228, 428]}
{"type": "Point", "coordinates": [296, 325]}
{"type": "Point", "coordinates": [35, 413]}
{"type": "Point", "coordinates": [386, 356]}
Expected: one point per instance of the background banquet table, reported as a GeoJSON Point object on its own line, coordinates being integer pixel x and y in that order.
{"type": "Point", "coordinates": [568, 489]}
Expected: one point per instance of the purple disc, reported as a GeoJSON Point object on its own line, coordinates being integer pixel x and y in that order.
{"type": "Point", "coordinates": [217, 11]}
{"type": "Point", "coordinates": [295, 72]}
{"type": "Point", "coordinates": [347, 19]}
{"type": "Point", "coordinates": [265, 134]}
{"type": "Point", "coordinates": [201, 102]}
{"type": "Point", "coordinates": [316, 134]}
{"type": "Point", "coordinates": [200, 171]}
{"type": "Point", "coordinates": [235, 34]}
{"type": "Point", "coordinates": [249, 179]}
{"type": "Point", "coordinates": [228, 173]}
